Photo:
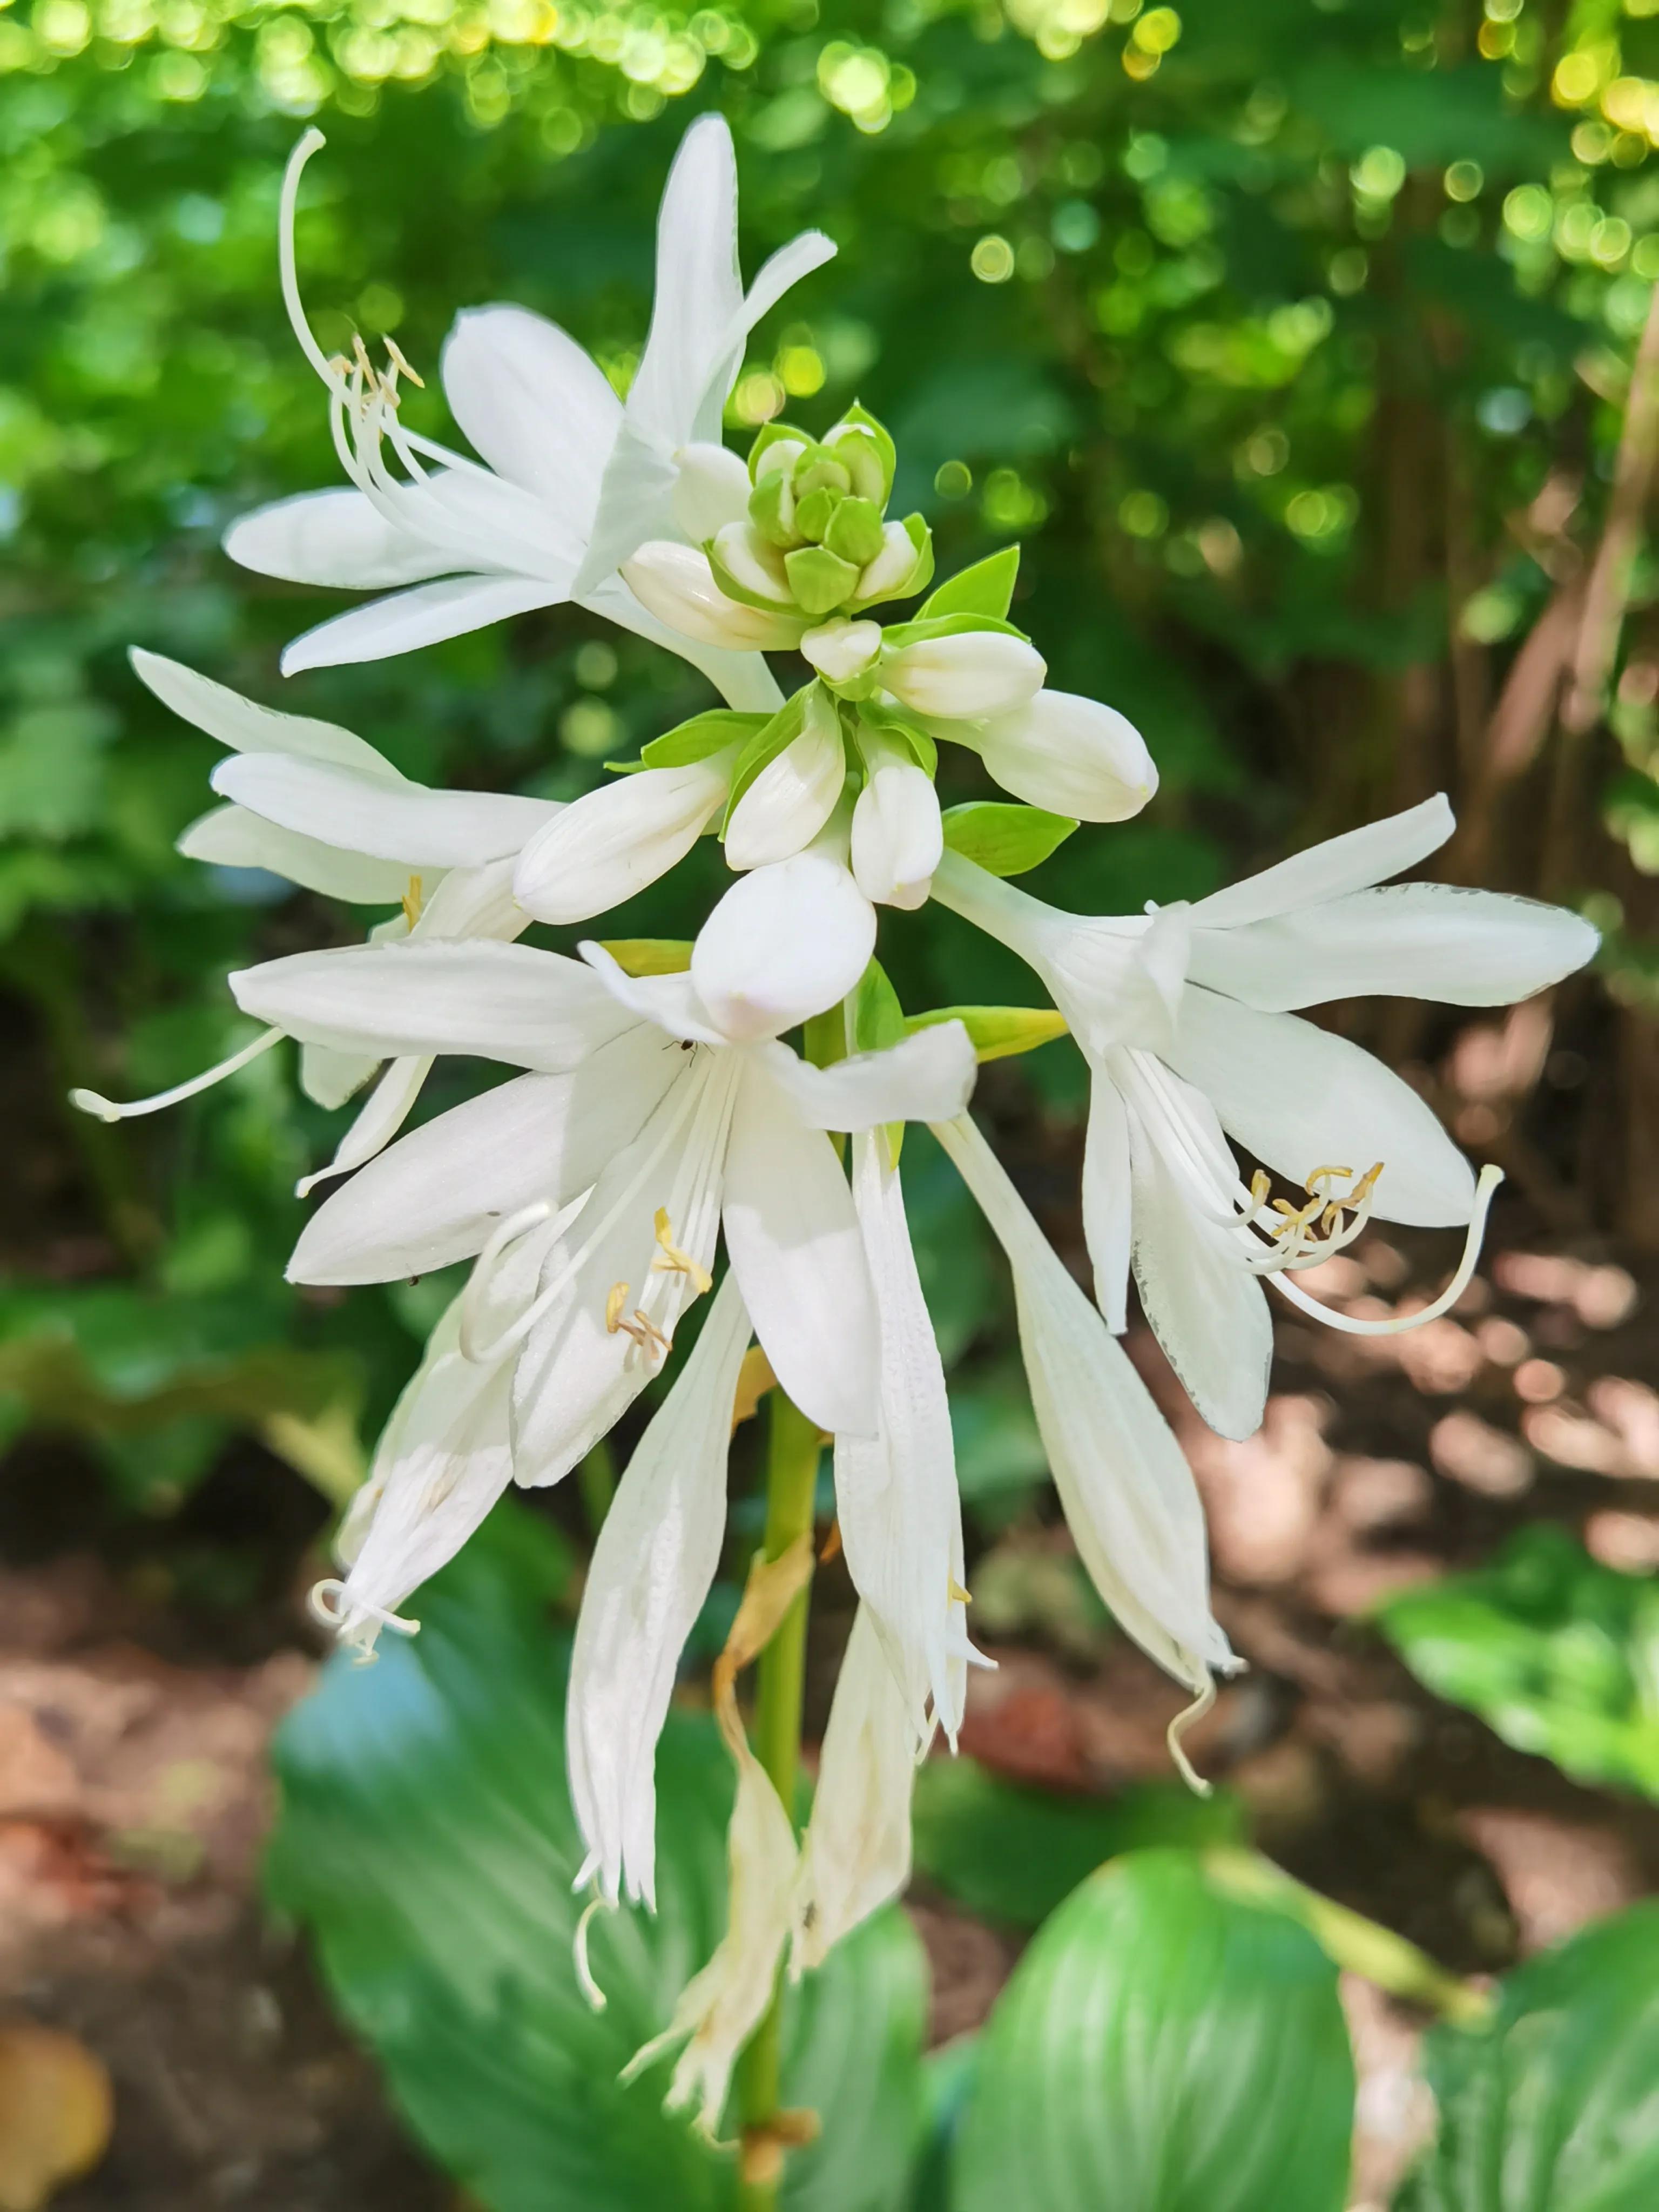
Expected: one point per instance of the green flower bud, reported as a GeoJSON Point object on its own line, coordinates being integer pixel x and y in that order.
{"type": "Point", "coordinates": [855, 530]}
{"type": "Point", "coordinates": [777, 446]}
{"type": "Point", "coordinates": [862, 436]}
{"type": "Point", "coordinates": [815, 511]}
{"type": "Point", "coordinates": [772, 508]}
{"type": "Point", "coordinates": [818, 580]}
{"type": "Point", "coordinates": [818, 468]}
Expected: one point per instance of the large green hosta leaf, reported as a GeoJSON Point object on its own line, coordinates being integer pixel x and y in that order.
{"type": "Point", "coordinates": [1161, 2048]}
{"type": "Point", "coordinates": [1554, 2105]}
{"type": "Point", "coordinates": [427, 1841]}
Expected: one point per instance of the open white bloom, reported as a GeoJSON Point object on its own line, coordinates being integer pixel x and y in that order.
{"type": "Point", "coordinates": [1183, 1016]}
{"type": "Point", "coordinates": [665, 1129]}
{"type": "Point", "coordinates": [1124, 1483]}
{"type": "Point", "coordinates": [570, 480]}
{"type": "Point", "coordinates": [316, 804]}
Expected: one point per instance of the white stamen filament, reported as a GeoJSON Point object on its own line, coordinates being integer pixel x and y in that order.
{"type": "Point", "coordinates": [332, 1603]}
{"type": "Point", "coordinates": [1397, 1325]}
{"type": "Point", "coordinates": [111, 1109]}
{"type": "Point", "coordinates": [1187, 1718]}
{"type": "Point", "coordinates": [590, 1988]}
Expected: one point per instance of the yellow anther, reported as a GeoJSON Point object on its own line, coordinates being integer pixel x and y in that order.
{"type": "Point", "coordinates": [360, 355]}
{"type": "Point", "coordinates": [646, 1333]}
{"type": "Point", "coordinates": [616, 1299]}
{"type": "Point", "coordinates": [1260, 1188]}
{"type": "Point", "coordinates": [413, 900]}
{"type": "Point", "coordinates": [1326, 1174]}
{"type": "Point", "coordinates": [958, 1595]}
{"type": "Point", "coordinates": [399, 362]}
{"type": "Point", "coordinates": [671, 1261]}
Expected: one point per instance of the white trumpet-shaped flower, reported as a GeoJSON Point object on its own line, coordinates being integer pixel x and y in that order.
{"type": "Point", "coordinates": [1182, 1014]}
{"type": "Point", "coordinates": [319, 805]}
{"type": "Point", "coordinates": [570, 480]}
{"type": "Point", "coordinates": [1124, 1483]}
{"type": "Point", "coordinates": [640, 1105]}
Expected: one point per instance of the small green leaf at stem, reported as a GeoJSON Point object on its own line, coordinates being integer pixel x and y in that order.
{"type": "Point", "coordinates": [986, 588]}
{"type": "Point", "coordinates": [1003, 839]}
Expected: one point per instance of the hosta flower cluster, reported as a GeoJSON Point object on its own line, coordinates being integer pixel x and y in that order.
{"type": "Point", "coordinates": [662, 1150]}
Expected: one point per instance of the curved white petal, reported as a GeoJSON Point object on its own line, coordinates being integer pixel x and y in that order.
{"type": "Point", "coordinates": [1106, 1207]}
{"type": "Point", "coordinates": [1074, 756]}
{"type": "Point", "coordinates": [540, 411]}
{"type": "Point", "coordinates": [925, 1077]}
{"type": "Point", "coordinates": [1349, 863]}
{"type": "Point", "coordinates": [741, 676]}
{"type": "Point", "coordinates": [1464, 948]}
{"type": "Point", "coordinates": [425, 616]}
{"type": "Point", "coordinates": [1300, 1098]}
{"type": "Point", "coordinates": [329, 1079]}
{"type": "Point", "coordinates": [793, 1240]}
{"type": "Point", "coordinates": [609, 844]}
{"type": "Point", "coordinates": [403, 822]}
{"type": "Point", "coordinates": [669, 1002]}
{"type": "Point", "coordinates": [505, 1002]}
{"type": "Point", "coordinates": [784, 943]}
{"type": "Point", "coordinates": [699, 290]}
{"type": "Point", "coordinates": [676, 584]}
{"type": "Point", "coordinates": [337, 538]}
{"type": "Point", "coordinates": [247, 728]}
{"type": "Point", "coordinates": [388, 1107]}
{"type": "Point", "coordinates": [650, 1572]}
{"type": "Point", "coordinates": [231, 837]}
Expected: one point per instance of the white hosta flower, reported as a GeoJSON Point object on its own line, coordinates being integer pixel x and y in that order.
{"type": "Point", "coordinates": [640, 1104]}
{"type": "Point", "coordinates": [676, 584]}
{"type": "Point", "coordinates": [898, 833]}
{"type": "Point", "coordinates": [652, 1569]}
{"type": "Point", "coordinates": [711, 489]}
{"type": "Point", "coordinates": [1183, 1017]}
{"type": "Point", "coordinates": [570, 481]}
{"type": "Point", "coordinates": [1126, 1491]}
{"type": "Point", "coordinates": [794, 796]}
{"type": "Point", "coordinates": [1071, 755]}
{"type": "Point", "coordinates": [896, 1491]}
{"type": "Point", "coordinates": [856, 1854]}
{"type": "Point", "coordinates": [977, 673]}
{"type": "Point", "coordinates": [612, 842]}
{"type": "Point", "coordinates": [785, 942]}
{"type": "Point", "coordinates": [319, 805]}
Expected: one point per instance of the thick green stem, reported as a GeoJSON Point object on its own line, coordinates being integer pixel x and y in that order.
{"type": "Point", "coordinates": [791, 1474]}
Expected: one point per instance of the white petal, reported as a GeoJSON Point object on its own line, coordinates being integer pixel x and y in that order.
{"type": "Point", "coordinates": [1106, 1209]}
{"type": "Point", "coordinates": [841, 649]}
{"type": "Point", "coordinates": [1300, 1098]}
{"type": "Point", "coordinates": [980, 672]}
{"type": "Point", "coordinates": [1205, 1308]}
{"type": "Point", "coordinates": [533, 402]}
{"type": "Point", "coordinates": [470, 902]}
{"type": "Point", "coordinates": [898, 836]}
{"type": "Point", "coordinates": [711, 489]}
{"type": "Point", "coordinates": [1348, 863]}
{"type": "Point", "coordinates": [896, 1492]}
{"type": "Point", "coordinates": [892, 567]}
{"type": "Point", "coordinates": [925, 1077]}
{"type": "Point", "coordinates": [676, 584]}
{"type": "Point", "coordinates": [795, 794]}
{"type": "Point", "coordinates": [1129, 1494]}
{"type": "Point", "coordinates": [650, 1572]}
{"type": "Point", "coordinates": [437, 1195]}
{"type": "Point", "coordinates": [741, 676]}
{"type": "Point", "coordinates": [699, 291]}
{"type": "Point", "coordinates": [856, 1852]}
{"type": "Point", "coordinates": [329, 1079]}
{"type": "Point", "coordinates": [231, 837]}
{"type": "Point", "coordinates": [793, 1240]}
{"type": "Point", "coordinates": [247, 728]}
{"type": "Point", "coordinates": [778, 274]}
{"type": "Point", "coordinates": [337, 538]}
{"type": "Point", "coordinates": [637, 506]}
{"type": "Point", "coordinates": [784, 943]}
{"type": "Point", "coordinates": [401, 821]}
{"type": "Point", "coordinates": [425, 616]}
{"type": "Point", "coordinates": [604, 847]}
{"type": "Point", "coordinates": [496, 1001]}
{"type": "Point", "coordinates": [669, 1003]}
{"type": "Point", "coordinates": [383, 1113]}
{"type": "Point", "coordinates": [1071, 755]}
{"type": "Point", "coordinates": [1464, 948]}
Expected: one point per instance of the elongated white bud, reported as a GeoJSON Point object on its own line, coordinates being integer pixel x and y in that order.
{"type": "Point", "coordinates": [898, 836]}
{"type": "Point", "coordinates": [711, 490]}
{"type": "Point", "coordinates": [785, 942]}
{"type": "Point", "coordinates": [602, 848]}
{"type": "Point", "coordinates": [676, 584]}
{"type": "Point", "coordinates": [979, 673]}
{"type": "Point", "coordinates": [752, 564]}
{"type": "Point", "coordinates": [1071, 755]}
{"type": "Point", "coordinates": [794, 796]}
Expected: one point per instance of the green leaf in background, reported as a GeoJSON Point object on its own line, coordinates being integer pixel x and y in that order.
{"type": "Point", "coordinates": [427, 1842]}
{"type": "Point", "coordinates": [1556, 1652]}
{"type": "Point", "coordinates": [1161, 2048]}
{"type": "Point", "coordinates": [1553, 2106]}
{"type": "Point", "coordinates": [1013, 1853]}
{"type": "Point", "coordinates": [1005, 840]}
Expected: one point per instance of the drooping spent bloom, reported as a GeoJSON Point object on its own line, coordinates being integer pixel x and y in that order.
{"type": "Point", "coordinates": [569, 482]}
{"type": "Point", "coordinates": [315, 803]}
{"type": "Point", "coordinates": [1183, 1015]}
{"type": "Point", "coordinates": [637, 1111]}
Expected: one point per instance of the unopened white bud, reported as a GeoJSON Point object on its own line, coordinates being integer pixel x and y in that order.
{"type": "Point", "coordinates": [892, 567]}
{"type": "Point", "coordinates": [793, 795]}
{"type": "Point", "coordinates": [751, 563]}
{"type": "Point", "coordinates": [1071, 755]}
{"type": "Point", "coordinates": [711, 489]}
{"type": "Point", "coordinates": [676, 584]}
{"type": "Point", "coordinates": [967, 677]}
{"type": "Point", "coordinates": [897, 832]}
{"type": "Point", "coordinates": [840, 650]}
{"type": "Point", "coordinates": [785, 943]}
{"type": "Point", "coordinates": [613, 842]}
